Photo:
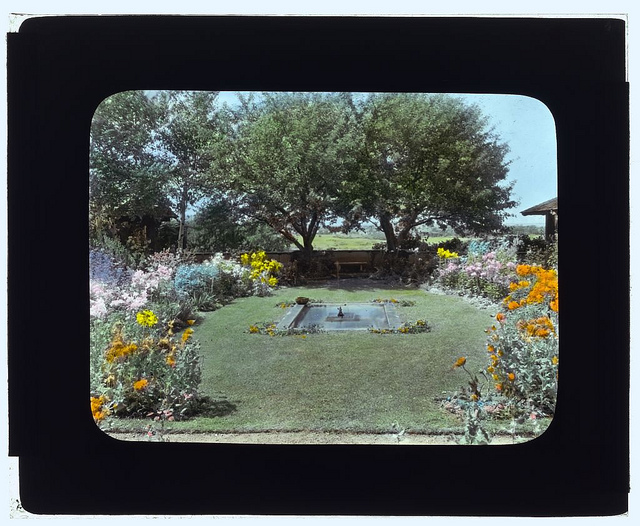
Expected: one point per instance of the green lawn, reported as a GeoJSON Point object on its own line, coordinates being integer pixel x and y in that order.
{"type": "Point", "coordinates": [354, 241]}
{"type": "Point", "coordinates": [350, 381]}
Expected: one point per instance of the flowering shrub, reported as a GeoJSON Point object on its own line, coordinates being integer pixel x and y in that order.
{"type": "Point", "coordinates": [480, 272]}
{"type": "Point", "coordinates": [263, 271]}
{"type": "Point", "coordinates": [445, 254]}
{"type": "Point", "coordinates": [523, 346]}
{"type": "Point", "coordinates": [523, 356]}
{"type": "Point", "coordinates": [142, 368]}
{"type": "Point", "coordinates": [473, 408]}
{"type": "Point", "coordinates": [113, 288]}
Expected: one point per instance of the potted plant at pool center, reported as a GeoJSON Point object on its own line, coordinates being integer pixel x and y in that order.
{"type": "Point", "coordinates": [301, 300]}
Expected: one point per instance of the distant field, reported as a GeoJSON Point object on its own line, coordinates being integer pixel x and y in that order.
{"type": "Point", "coordinates": [354, 242]}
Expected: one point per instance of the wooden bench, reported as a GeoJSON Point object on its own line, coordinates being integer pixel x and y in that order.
{"type": "Point", "coordinates": [340, 264]}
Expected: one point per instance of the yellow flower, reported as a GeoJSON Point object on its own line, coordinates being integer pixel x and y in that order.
{"type": "Point", "coordinates": [146, 318]}
{"type": "Point", "coordinates": [273, 281]}
{"type": "Point", "coordinates": [140, 384]}
{"type": "Point", "coordinates": [491, 348]}
{"type": "Point", "coordinates": [253, 329]}
{"type": "Point", "coordinates": [495, 377]}
{"type": "Point", "coordinates": [554, 360]}
{"type": "Point", "coordinates": [513, 305]}
{"type": "Point", "coordinates": [171, 361]}
{"type": "Point", "coordinates": [190, 322]}
{"type": "Point", "coordinates": [244, 259]}
{"type": "Point", "coordinates": [474, 397]}
{"type": "Point", "coordinates": [490, 369]}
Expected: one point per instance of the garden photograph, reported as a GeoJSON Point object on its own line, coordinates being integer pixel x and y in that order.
{"type": "Point", "coordinates": [323, 268]}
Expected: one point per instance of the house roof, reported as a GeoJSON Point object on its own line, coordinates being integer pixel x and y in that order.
{"type": "Point", "coordinates": [542, 209]}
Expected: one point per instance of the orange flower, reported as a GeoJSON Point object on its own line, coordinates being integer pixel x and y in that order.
{"type": "Point", "coordinates": [460, 362]}
{"type": "Point", "coordinates": [140, 384]}
{"type": "Point", "coordinates": [499, 387]}
{"type": "Point", "coordinates": [490, 348]}
{"type": "Point", "coordinates": [511, 376]}
{"type": "Point", "coordinates": [500, 317]}
{"type": "Point", "coordinates": [99, 412]}
{"type": "Point", "coordinates": [513, 305]}
{"type": "Point", "coordinates": [187, 334]}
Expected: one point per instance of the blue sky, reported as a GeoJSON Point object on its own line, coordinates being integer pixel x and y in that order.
{"type": "Point", "coordinates": [527, 126]}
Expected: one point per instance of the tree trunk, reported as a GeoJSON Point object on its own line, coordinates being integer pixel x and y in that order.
{"type": "Point", "coordinates": [182, 220]}
{"type": "Point", "coordinates": [389, 232]}
{"type": "Point", "coordinates": [407, 225]}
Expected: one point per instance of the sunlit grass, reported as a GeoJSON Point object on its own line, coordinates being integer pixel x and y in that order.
{"type": "Point", "coordinates": [348, 381]}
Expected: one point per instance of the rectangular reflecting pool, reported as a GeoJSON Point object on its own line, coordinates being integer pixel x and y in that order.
{"type": "Point", "coordinates": [341, 316]}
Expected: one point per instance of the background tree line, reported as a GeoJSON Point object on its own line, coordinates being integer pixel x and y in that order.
{"type": "Point", "coordinates": [274, 169]}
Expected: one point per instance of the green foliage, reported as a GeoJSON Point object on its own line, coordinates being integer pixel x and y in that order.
{"type": "Point", "coordinates": [126, 178]}
{"type": "Point", "coordinates": [219, 227]}
{"type": "Point", "coordinates": [426, 160]}
{"type": "Point", "coordinates": [537, 251]}
{"type": "Point", "coordinates": [291, 154]}
{"type": "Point", "coordinates": [142, 370]}
{"type": "Point", "coordinates": [191, 136]}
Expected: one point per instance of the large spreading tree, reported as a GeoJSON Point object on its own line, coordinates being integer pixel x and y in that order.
{"type": "Point", "coordinates": [425, 160]}
{"type": "Point", "coordinates": [300, 161]}
{"type": "Point", "coordinates": [291, 154]}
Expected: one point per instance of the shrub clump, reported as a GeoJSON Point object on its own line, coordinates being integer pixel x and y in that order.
{"type": "Point", "coordinates": [522, 344]}
{"type": "Point", "coordinates": [143, 369]}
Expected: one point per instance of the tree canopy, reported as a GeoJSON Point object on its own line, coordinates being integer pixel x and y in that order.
{"type": "Point", "coordinates": [125, 176]}
{"type": "Point", "coordinates": [291, 154]}
{"type": "Point", "coordinates": [297, 162]}
{"type": "Point", "coordinates": [425, 160]}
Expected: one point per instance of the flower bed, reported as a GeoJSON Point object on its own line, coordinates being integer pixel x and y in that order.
{"type": "Point", "coordinates": [144, 360]}
{"type": "Point", "coordinates": [522, 344]}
